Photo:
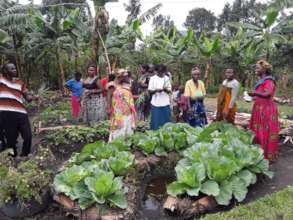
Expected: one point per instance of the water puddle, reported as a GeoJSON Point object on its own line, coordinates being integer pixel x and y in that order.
{"type": "Point", "coordinates": [155, 195]}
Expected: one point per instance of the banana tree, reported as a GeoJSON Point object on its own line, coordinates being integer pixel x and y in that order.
{"type": "Point", "coordinates": [101, 28]}
{"type": "Point", "coordinates": [4, 45]}
{"type": "Point", "coordinates": [120, 41]}
{"type": "Point", "coordinates": [170, 47]}
{"type": "Point", "coordinates": [240, 51]}
{"type": "Point", "coordinates": [267, 32]}
{"type": "Point", "coordinates": [56, 35]}
{"type": "Point", "coordinates": [13, 20]}
{"type": "Point", "coordinates": [207, 48]}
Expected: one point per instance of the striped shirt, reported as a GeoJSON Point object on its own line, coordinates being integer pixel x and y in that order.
{"type": "Point", "coordinates": [11, 95]}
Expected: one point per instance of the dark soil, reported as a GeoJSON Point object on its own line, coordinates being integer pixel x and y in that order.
{"type": "Point", "coordinates": [282, 168]}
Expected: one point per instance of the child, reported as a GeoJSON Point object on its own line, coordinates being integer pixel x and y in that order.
{"type": "Point", "coordinates": [182, 105]}
{"type": "Point", "coordinates": [75, 86]}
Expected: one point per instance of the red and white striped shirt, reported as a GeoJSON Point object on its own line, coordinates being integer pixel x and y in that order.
{"type": "Point", "coordinates": [11, 95]}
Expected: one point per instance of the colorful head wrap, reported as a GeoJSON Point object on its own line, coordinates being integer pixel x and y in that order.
{"type": "Point", "coordinates": [121, 72]}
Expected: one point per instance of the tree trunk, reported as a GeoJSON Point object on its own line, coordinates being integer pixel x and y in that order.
{"type": "Point", "coordinates": [106, 52]}
{"type": "Point", "coordinates": [61, 69]}
{"type": "Point", "coordinates": [207, 72]}
{"type": "Point", "coordinates": [17, 59]}
{"type": "Point", "coordinates": [95, 48]}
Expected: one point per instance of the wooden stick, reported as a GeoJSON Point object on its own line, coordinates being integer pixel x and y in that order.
{"type": "Point", "coordinates": [58, 128]}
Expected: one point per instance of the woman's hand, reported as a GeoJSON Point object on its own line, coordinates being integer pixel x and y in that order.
{"type": "Point", "coordinates": [166, 90]}
{"type": "Point", "coordinates": [225, 114]}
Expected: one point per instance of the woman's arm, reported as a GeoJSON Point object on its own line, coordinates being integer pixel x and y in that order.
{"type": "Point", "coordinates": [269, 87]}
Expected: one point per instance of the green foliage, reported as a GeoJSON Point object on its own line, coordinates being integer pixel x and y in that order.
{"type": "Point", "coordinates": [222, 163]}
{"type": "Point", "coordinates": [273, 204]}
{"type": "Point", "coordinates": [90, 176]}
{"type": "Point", "coordinates": [24, 181]}
{"type": "Point", "coordinates": [104, 187]}
{"type": "Point", "coordinates": [75, 135]}
{"type": "Point", "coordinates": [56, 114]}
{"type": "Point", "coordinates": [201, 20]}
{"type": "Point", "coordinates": [218, 160]}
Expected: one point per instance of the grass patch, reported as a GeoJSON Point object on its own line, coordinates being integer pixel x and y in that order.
{"type": "Point", "coordinates": [246, 107]}
{"type": "Point", "coordinates": [277, 206]}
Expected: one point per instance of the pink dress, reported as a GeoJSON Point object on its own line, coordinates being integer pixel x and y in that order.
{"type": "Point", "coordinates": [264, 121]}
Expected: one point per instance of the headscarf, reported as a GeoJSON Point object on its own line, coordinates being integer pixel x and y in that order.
{"type": "Point", "coordinates": [264, 64]}
{"type": "Point", "coordinates": [268, 67]}
{"type": "Point", "coordinates": [121, 72]}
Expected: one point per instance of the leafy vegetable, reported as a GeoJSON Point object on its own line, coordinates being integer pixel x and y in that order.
{"type": "Point", "coordinates": [68, 179]}
{"type": "Point", "coordinates": [104, 187]}
{"type": "Point", "coordinates": [121, 163]}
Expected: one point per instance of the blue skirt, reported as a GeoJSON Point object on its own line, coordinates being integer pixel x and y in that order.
{"type": "Point", "coordinates": [198, 115]}
{"type": "Point", "coordinates": [160, 116]}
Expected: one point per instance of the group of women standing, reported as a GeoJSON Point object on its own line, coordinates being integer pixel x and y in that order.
{"type": "Point", "coordinates": [112, 97]}
{"type": "Point", "coordinates": [96, 100]}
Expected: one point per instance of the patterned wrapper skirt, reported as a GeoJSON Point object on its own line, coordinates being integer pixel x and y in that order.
{"type": "Point", "coordinates": [198, 117]}
{"type": "Point", "coordinates": [265, 125]}
{"type": "Point", "coordinates": [124, 131]}
{"type": "Point", "coordinates": [94, 109]}
{"type": "Point", "coordinates": [160, 116]}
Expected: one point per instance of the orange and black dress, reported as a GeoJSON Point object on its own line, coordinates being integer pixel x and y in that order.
{"type": "Point", "coordinates": [227, 100]}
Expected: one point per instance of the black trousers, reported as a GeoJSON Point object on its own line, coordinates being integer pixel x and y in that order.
{"type": "Point", "coordinates": [13, 124]}
{"type": "Point", "coordinates": [2, 139]}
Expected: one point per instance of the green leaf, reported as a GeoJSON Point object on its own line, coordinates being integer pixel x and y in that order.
{"type": "Point", "coordinates": [190, 175]}
{"type": "Point", "coordinates": [121, 163]}
{"type": "Point", "coordinates": [160, 151]}
{"type": "Point", "coordinates": [176, 188]}
{"type": "Point", "coordinates": [118, 200]}
{"type": "Point", "coordinates": [225, 194]}
{"type": "Point", "coordinates": [86, 153]}
{"type": "Point", "coordinates": [239, 188]}
{"type": "Point", "coordinates": [193, 191]}
{"type": "Point", "coordinates": [247, 176]}
{"type": "Point", "coordinates": [210, 188]}
{"type": "Point", "coordinates": [65, 181]}
{"type": "Point", "coordinates": [271, 17]}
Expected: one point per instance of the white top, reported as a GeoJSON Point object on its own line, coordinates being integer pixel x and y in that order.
{"type": "Point", "coordinates": [160, 99]}
{"type": "Point", "coordinates": [234, 85]}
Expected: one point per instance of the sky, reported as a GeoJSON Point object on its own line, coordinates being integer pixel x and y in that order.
{"type": "Point", "coordinates": [176, 9]}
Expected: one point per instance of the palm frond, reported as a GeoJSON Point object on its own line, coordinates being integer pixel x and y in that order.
{"type": "Point", "coordinates": [150, 13]}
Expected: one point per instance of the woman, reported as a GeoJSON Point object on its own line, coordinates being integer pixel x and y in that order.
{"type": "Point", "coordinates": [227, 107]}
{"type": "Point", "coordinates": [195, 91]}
{"type": "Point", "coordinates": [160, 89]}
{"type": "Point", "coordinates": [143, 101]}
{"type": "Point", "coordinates": [75, 86]}
{"type": "Point", "coordinates": [123, 114]}
{"type": "Point", "coordinates": [264, 118]}
{"type": "Point", "coordinates": [93, 101]}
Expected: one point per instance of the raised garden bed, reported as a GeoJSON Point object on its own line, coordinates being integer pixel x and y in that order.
{"type": "Point", "coordinates": [200, 184]}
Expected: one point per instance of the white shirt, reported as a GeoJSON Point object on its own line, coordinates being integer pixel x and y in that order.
{"type": "Point", "coordinates": [234, 85]}
{"type": "Point", "coordinates": [160, 99]}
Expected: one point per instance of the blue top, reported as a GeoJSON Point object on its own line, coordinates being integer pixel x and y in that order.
{"type": "Point", "coordinates": [75, 87]}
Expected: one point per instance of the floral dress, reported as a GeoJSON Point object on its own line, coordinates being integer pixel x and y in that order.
{"type": "Point", "coordinates": [123, 115]}
{"type": "Point", "coordinates": [264, 120]}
